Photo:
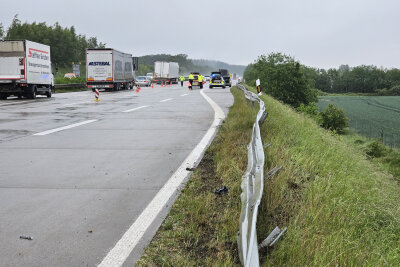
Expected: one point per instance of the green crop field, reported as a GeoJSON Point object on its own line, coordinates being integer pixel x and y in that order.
{"type": "Point", "coordinates": [371, 116]}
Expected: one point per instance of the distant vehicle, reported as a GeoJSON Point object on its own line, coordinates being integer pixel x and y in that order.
{"type": "Point", "coordinates": [227, 77]}
{"type": "Point", "coordinates": [207, 78]}
{"type": "Point", "coordinates": [69, 75]}
{"type": "Point", "coordinates": [217, 80]}
{"type": "Point", "coordinates": [166, 72]}
{"type": "Point", "coordinates": [25, 69]}
{"type": "Point", "coordinates": [150, 75]}
{"type": "Point", "coordinates": [110, 69]}
{"type": "Point", "coordinates": [143, 81]}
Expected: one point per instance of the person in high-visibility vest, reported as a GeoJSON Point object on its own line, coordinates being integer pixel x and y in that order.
{"type": "Point", "coordinates": [191, 78]}
{"type": "Point", "coordinates": [181, 79]}
{"type": "Point", "coordinates": [201, 78]}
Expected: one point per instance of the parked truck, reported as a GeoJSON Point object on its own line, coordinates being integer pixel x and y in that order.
{"type": "Point", "coordinates": [110, 69]}
{"type": "Point", "coordinates": [166, 72]}
{"type": "Point", "coordinates": [25, 69]}
{"type": "Point", "coordinates": [227, 77]}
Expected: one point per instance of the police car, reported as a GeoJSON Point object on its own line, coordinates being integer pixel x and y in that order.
{"type": "Point", "coordinates": [217, 80]}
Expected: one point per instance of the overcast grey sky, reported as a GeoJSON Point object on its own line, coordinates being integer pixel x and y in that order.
{"type": "Point", "coordinates": [318, 33]}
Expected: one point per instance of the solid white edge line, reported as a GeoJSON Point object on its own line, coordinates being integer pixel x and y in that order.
{"type": "Point", "coordinates": [165, 100]}
{"type": "Point", "coordinates": [65, 127]}
{"type": "Point", "coordinates": [123, 248]}
{"type": "Point", "coordinates": [133, 109]}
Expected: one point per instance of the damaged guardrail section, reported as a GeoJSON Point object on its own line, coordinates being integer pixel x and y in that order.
{"type": "Point", "coordinates": [252, 189]}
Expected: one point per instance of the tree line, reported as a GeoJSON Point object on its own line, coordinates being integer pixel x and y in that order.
{"type": "Point", "coordinates": [186, 65]}
{"type": "Point", "coordinates": [284, 78]}
{"type": "Point", "coordinates": [366, 79]}
{"type": "Point", "coordinates": [66, 45]}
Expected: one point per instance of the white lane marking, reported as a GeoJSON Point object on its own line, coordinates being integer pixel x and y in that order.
{"type": "Point", "coordinates": [65, 127]}
{"type": "Point", "coordinates": [121, 251]}
{"type": "Point", "coordinates": [133, 109]}
{"type": "Point", "coordinates": [165, 100]}
{"type": "Point", "coordinates": [184, 95]}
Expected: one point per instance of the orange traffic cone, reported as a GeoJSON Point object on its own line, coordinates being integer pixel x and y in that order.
{"type": "Point", "coordinates": [152, 85]}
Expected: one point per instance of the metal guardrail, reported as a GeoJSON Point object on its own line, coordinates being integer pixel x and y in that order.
{"type": "Point", "coordinates": [69, 85]}
{"type": "Point", "coordinates": [252, 189]}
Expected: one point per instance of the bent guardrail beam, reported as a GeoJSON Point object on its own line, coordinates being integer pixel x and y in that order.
{"type": "Point", "coordinates": [252, 189]}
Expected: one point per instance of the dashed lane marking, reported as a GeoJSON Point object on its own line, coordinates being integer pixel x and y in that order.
{"type": "Point", "coordinates": [165, 100]}
{"type": "Point", "coordinates": [133, 109]}
{"type": "Point", "coordinates": [65, 127]}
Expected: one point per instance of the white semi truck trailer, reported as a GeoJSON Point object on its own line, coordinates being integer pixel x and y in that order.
{"type": "Point", "coordinates": [25, 69]}
{"type": "Point", "coordinates": [110, 69]}
{"type": "Point", "coordinates": [166, 71]}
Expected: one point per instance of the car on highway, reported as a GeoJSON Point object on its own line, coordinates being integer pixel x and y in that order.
{"type": "Point", "coordinates": [217, 81]}
{"type": "Point", "coordinates": [150, 76]}
{"type": "Point", "coordinates": [143, 81]}
{"type": "Point", "coordinates": [69, 75]}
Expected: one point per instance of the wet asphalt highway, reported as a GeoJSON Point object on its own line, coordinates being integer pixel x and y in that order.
{"type": "Point", "coordinates": [75, 174]}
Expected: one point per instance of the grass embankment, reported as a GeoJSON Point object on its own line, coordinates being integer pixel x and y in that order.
{"type": "Point", "coordinates": [340, 209]}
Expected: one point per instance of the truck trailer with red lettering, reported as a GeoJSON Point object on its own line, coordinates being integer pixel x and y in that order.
{"type": "Point", "coordinates": [25, 69]}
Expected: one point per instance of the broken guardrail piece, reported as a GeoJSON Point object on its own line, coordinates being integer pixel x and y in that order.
{"type": "Point", "coordinates": [263, 117]}
{"type": "Point", "coordinates": [272, 237]}
{"type": "Point", "coordinates": [272, 172]}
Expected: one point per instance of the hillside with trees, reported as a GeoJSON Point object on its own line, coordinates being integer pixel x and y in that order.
{"type": "Point", "coordinates": [187, 65]}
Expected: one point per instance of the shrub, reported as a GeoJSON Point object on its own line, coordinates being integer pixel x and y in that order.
{"type": "Point", "coordinates": [334, 118]}
{"type": "Point", "coordinates": [395, 90]}
{"type": "Point", "coordinates": [62, 80]}
{"type": "Point", "coordinates": [376, 149]}
{"type": "Point", "coordinates": [311, 110]}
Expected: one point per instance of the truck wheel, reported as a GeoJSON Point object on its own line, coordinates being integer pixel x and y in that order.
{"type": "Point", "coordinates": [48, 94]}
{"type": "Point", "coordinates": [3, 96]}
{"type": "Point", "coordinates": [32, 93]}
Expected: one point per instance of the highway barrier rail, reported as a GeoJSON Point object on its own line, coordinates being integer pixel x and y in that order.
{"type": "Point", "coordinates": [69, 85]}
{"type": "Point", "coordinates": [252, 188]}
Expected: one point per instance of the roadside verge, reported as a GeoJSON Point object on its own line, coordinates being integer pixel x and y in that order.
{"type": "Point", "coordinates": [339, 208]}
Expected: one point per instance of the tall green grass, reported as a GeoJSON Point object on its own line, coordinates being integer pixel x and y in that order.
{"type": "Point", "coordinates": [340, 209]}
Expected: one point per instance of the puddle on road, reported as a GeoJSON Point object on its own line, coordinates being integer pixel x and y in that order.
{"type": "Point", "coordinates": [30, 114]}
{"type": "Point", "coordinates": [9, 120]}
{"type": "Point", "coordinates": [67, 108]}
{"type": "Point", "coordinates": [8, 131]}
